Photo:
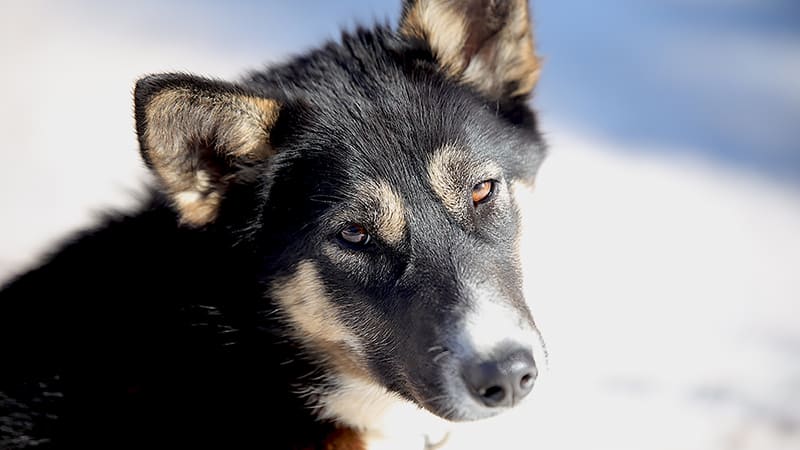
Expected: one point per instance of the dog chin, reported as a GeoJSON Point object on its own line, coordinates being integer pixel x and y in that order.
{"type": "Point", "coordinates": [472, 415]}
{"type": "Point", "coordinates": [461, 408]}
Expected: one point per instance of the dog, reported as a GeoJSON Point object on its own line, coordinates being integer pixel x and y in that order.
{"type": "Point", "coordinates": [330, 244]}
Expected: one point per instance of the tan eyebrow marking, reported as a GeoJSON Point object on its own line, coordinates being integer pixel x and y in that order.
{"type": "Point", "coordinates": [390, 214]}
{"type": "Point", "coordinates": [445, 163]}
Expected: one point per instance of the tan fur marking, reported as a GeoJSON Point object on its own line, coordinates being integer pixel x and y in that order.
{"type": "Point", "coordinates": [470, 50]}
{"type": "Point", "coordinates": [446, 162]}
{"type": "Point", "coordinates": [304, 302]}
{"type": "Point", "coordinates": [181, 121]}
{"type": "Point", "coordinates": [196, 208]}
{"type": "Point", "coordinates": [344, 438]}
{"type": "Point", "coordinates": [444, 28]}
{"type": "Point", "coordinates": [390, 214]}
{"type": "Point", "coordinates": [513, 57]}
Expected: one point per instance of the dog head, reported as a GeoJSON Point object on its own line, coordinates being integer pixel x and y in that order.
{"type": "Point", "coordinates": [374, 177]}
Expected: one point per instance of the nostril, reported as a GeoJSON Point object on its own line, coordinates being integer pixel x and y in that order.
{"type": "Point", "coordinates": [529, 374]}
{"type": "Point", "coordinates": [526, 382]}
{"type": "Point", "coordinates": [493, 395]}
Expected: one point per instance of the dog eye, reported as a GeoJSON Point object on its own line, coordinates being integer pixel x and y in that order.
{"type": "Point", "coordinates": [482, 192]}
{"type": "Point", "coordinates": [355, 234]}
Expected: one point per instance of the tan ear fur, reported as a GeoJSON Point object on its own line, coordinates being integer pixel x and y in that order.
{"type": "Point", "coordinates": [487, 44]}
{"type": "Point", "coordinates": [196, 138]}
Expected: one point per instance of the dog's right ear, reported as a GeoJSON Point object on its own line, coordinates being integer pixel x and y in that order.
{"type": "Point", "coordinates": [199, 136]}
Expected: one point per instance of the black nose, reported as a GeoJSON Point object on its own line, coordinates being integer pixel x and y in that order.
{"type": "Point", "coordinates": [502, 381]}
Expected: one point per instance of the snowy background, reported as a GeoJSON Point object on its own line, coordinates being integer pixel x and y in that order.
{"type": "Point", "coordinates": [663, 257]}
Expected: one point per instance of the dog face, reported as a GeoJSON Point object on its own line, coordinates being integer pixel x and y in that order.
{"type": "Point", "coordinates": [375, 178]}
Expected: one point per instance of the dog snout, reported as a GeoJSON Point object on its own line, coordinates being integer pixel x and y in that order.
{"type": "Point", "coordinates": [502, 381]}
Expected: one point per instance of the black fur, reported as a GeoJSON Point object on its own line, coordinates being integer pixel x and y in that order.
{"type": "Point", "coordinates": [144, 332]}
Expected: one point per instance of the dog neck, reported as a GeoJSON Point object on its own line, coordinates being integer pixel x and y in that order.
{"type": "Point", "coordinates": [386, 420]}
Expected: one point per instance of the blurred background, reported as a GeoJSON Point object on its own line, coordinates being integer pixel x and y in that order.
{"type": "Point", "coordinates": [663, 250]}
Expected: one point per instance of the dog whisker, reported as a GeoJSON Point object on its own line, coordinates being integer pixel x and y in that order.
{"type": "Point", "coordinates": [440, 356]}
{"type": "Point", "coordinates": [326, 199]}
{"type": "Point", "coordinates": [435, 398]}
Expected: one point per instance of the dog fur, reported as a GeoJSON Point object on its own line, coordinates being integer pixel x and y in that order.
{"type": "Point", "coordinates": [315, 265]}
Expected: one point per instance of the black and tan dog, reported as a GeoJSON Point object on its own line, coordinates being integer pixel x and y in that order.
{"type": "Point", "coordinates": [332, 242]}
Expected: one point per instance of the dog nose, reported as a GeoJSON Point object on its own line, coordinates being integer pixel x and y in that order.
{"type": "Point", "coordinates": [503, 381]}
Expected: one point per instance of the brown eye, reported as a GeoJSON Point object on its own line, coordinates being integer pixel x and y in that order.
{"type": "Point", "coordinates": [354, 234]}
{"type": "Point", "coordinates": [482, 192]}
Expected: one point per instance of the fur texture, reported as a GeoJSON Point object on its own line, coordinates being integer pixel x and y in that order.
{"type": "Point", "coordinates": [311, 264]}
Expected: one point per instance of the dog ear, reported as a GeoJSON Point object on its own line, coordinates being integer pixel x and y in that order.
{"type": "Point", "coordinates": [487, 44]}
{"type": "Point", "coordinates": [199, 136]}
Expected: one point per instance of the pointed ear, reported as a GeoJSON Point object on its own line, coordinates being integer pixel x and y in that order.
{"type": "Point", "coordinates": [487, 44]}
{"type": "Point", "coordinates": [199, 136]}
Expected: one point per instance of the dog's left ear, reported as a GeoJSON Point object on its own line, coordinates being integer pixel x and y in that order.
{"type": "Point", "coordinates": [487, 44]}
